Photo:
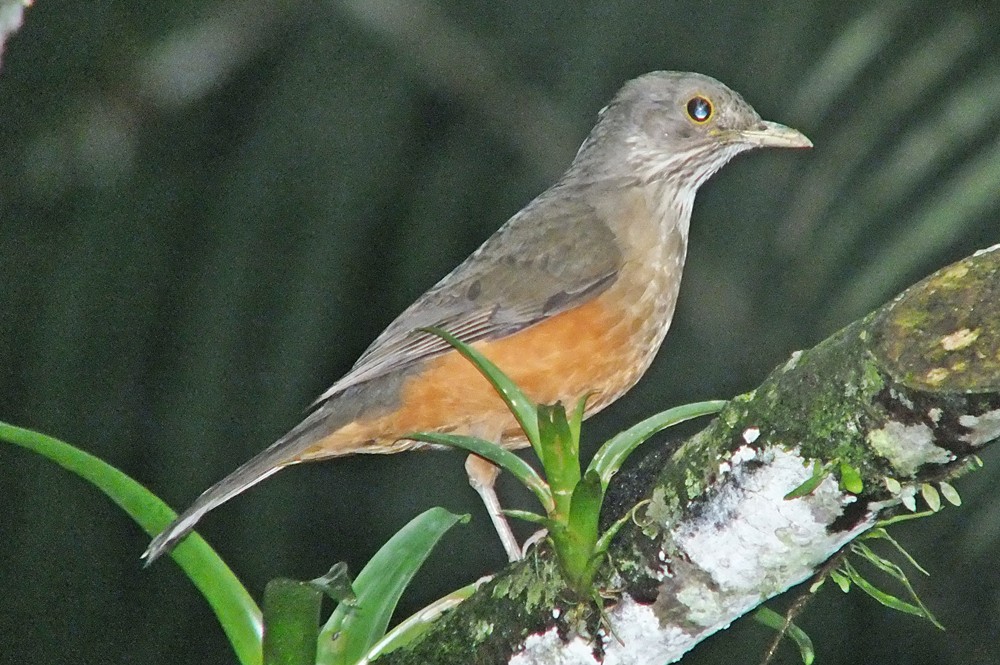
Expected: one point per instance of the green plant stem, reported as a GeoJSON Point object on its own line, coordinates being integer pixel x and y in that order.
{"type": "Point", "coordinates": [561, 457]}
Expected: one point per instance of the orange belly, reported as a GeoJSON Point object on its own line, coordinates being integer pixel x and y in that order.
{"type": "Point", "coordinates": [594, 348]}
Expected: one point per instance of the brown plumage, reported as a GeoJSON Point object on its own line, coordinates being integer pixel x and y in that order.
{"type": "Point", "coordinates": [573, 295]}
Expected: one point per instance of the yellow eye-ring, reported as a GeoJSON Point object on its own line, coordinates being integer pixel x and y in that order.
{"type": "Point", "coordinates": [700, 109]}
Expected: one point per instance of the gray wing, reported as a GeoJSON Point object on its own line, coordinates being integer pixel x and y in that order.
{"type": "Point", "coordinates": [526, 272]}
{"type": "Point", "coordinates": [523, 274]}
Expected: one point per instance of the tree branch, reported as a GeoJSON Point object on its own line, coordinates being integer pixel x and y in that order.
{"type": "Point", "coordinates": [902, 398]}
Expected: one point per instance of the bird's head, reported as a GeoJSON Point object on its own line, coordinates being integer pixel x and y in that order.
{"type": "Point", "coordinates": [677, 126]}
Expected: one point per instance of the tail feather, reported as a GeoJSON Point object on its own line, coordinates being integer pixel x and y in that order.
{"type": "Point", "coordinates": [275, 457]}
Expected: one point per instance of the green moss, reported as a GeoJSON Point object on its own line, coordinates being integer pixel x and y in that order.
{"type": "Point", "coordinates": [818, 403]}
{"type": "Point", "coordinates": [534, 584]}
{"type": "Point", "coordinates": [937, 334]}
{"type": "Point", "coordinates": [942, 330]}
{"type": "Point", "coordinates": [489, 625]}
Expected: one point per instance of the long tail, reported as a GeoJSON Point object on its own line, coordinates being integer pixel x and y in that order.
{"type": "Point", "coordinates": [272, 459]}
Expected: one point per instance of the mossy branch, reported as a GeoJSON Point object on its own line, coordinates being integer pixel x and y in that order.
{"type": "Point", "coordinates": [838, 438]}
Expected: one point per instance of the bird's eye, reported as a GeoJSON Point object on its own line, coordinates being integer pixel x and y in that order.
{"type": "Point", "coordinates": [699, 109]}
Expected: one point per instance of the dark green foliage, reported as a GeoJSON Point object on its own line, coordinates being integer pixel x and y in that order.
{"type": "Point", "coordinates": [183, 272]}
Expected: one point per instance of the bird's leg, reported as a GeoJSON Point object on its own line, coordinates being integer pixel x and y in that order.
{"type": "Point", "coordinates": [483, 476]}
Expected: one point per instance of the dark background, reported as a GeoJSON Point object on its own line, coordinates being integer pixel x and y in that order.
{"type": "Point", "coordinates": [209, 209]}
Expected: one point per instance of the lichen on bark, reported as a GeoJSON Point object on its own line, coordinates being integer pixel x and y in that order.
{"type": "Point", "coordinates": [907, 394]}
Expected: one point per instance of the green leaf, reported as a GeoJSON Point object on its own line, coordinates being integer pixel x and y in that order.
{"type": "Point", "coordinates": [931, 496]}
{"type": "Point", "coordinates": [585, 509]}
{"type": "Point", "coordinates": [605, 540]}
{"type": "Point", "coordinates": [575, 545]}
{"type": "Point", "coordinates": [841, 580]}
{"type": "Point", "coordinates": [768, 617]}
{"type": "Point", "coordinates": [237, 612]}
{"type": "Point", "coordinates": [616, 450]}
{"type": "Point", "coordinates": [534, 518]}
{"type": "Point", "coordinates": [416, 625]}
{"type": "Point", "coordinates": [879, 533]}
{"type": "Point", "coordinates": [850, 479]}
{"type": "Point", "coordinates": [291, 622]}
{"type": "Point", "coordinates": [810, 485]}
{"type": "Point", "coordinates": [502, 457]}
{"type": "Point", "coordinates": [353, 629]}
{"type": "Point", "coordinates": [880, 562]}
{"type": "Point", "coordinates": [905, 517]}
{"type": "Point", "coordinates": [819, 582]}
{"type": "Point", "coordinates": [576, 418]}
{"type": "Point", "coordinates": [889, 600]}
{"type": "Point", "coordinates": [950, 494]}
{"type": "Point", "coordinates": [560, 457]}
{"type": "Point", "coordinates": [519, 404]}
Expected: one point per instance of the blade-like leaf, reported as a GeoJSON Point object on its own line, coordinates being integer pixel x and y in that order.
{"type": "Point", "coordinates": [931, 496]}
{"type": "Point", "coordinates": [535, 518]}
{"type": "Point", "coordinates": [768, 617]}
{"type": "Point", "coordinates": [843, 581]}
{"type": "Point", "coordinates": [950, 494]}
{"type": "Point", "coordinates": [879, 533]}
{"type": "Point", "coordinates": [809, 486]}
{"type": "Point", "coordinates": [237, 612]}
{"type": "Point", "coordinates": [502, 457]}
{"type": "Point", "coordinates": [574, 545]}
{"type": "Point", "coordinates": [576, 418]}
{"type": "Point", "coordinates": [612, 454]}
{"type": "Point", "coordinates": [585, 509]}
{"type": "Point", "coordinates": [519, 404]}
{"type": "Point", "coordinates": [906, 517]}
{"type": "Point", "coordinates": [560, 456]}
{"type": "Point", "coordinates": [605, 540]}
{"type": "Point", "coordinates": [880, 562]}
{"type": "Point", "coordinates": [417, 624]}
{"type": "Point", "coordinates": [892, 601]}
{"type": "Point", "coordinates": [353, 629]}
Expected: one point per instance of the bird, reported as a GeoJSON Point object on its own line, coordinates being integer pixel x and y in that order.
{"type": "Point", "coordinates": [571, 297]}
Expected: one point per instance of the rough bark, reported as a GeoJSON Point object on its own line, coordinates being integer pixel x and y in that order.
{"type": "Point", "coordinates": [909, 393]}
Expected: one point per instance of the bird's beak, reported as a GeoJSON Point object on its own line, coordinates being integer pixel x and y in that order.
{"type": "Point", "coordinates": [774, 135]}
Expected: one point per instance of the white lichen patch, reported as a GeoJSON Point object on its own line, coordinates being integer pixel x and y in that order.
{"type": "Point", "coordinates": [743, 454]}
{"type": "Point", "coordinates": [663, 508]}
{"type": "Point", "coordinates": [935, 414]}
{"type": "Point", "coordinates": [959, 339]}
{"type": "Point", "coordinates": [984, 428]}
{"type": "Point", "coordinates": [749, 539]}
{"type": "Point", "coordinates": [908, 447]}
{"type": "Point", "coordinates": [548, 648]}
{"type": "Point", "coordinates": [643, 639]}
{"type": "Point", "coordinates": [792, 361]}
{"type": "Point", "coordinates": [992, 248]}
{"type": "Point", "coordinates": [704, 604]}
{"type": "Point", "coordinates": [745, 543]}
